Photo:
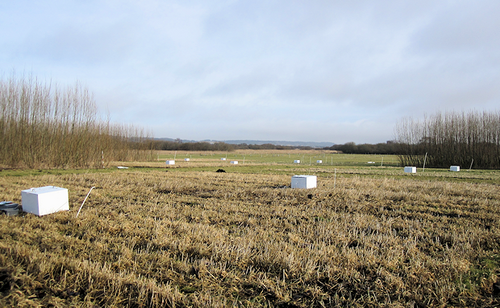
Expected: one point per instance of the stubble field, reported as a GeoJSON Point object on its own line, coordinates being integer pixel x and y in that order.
{"type": "Point", "coordinates": [188, 236]}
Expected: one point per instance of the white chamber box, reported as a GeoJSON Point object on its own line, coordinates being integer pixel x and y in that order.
{"type": "Point", "coordinates": [234, 162]}
{"type": "Point", "coordinates": [45, 200]}
{"type": "Point", "coordinates": [455, 168]}
{"type": "Point", "coordinates": [304, 181]}
{"type": "Point", "coordinates": [410, 169]}
{"type": "Point", "coordinates": [186, 159]}
{"type": "Point", "coordinates": [296, 161]}
{"type": "Point", "coordinates": [170, 162]}
{"type": "Point", "coordinates": [223, 158]}
{"type": "Point", "coordinates": [319, 161]}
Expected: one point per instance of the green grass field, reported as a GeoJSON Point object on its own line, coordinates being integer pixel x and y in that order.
{"type": "Point", "coordinates": [287, 158]}
{"type": "Point", "coordinates": [282, 162]}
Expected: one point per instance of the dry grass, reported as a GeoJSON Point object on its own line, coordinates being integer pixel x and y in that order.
{"type": "Point", "coordinates": [206, 239]}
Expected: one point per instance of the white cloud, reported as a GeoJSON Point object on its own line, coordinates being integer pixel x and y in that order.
{"type": "Point", "coordinates": [322, 70]}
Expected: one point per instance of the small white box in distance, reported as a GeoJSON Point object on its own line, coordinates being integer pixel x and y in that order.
{"type": "Point", "coordinates": [45, 200]}
{"type": "Point", "coordinates": [234, 162]}
{"type": "Point", "coordinates": [296, 161]}
{"type": "Point", "coordinates": [410, 169]}
{"type": "Point", "coordinates": [304, 181]}
{"type": "Point", "coordinates": [223, 158]}
{"type": "Point", "coordinates": [455, 168]}
{"type": "Point", "coordinates": [170, 162]}
{"type": "Point", "coordinates": [186, 159]}
{"type": "Point", "coordinates": [319, 161]}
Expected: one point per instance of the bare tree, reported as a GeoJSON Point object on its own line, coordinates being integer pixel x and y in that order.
{"type": "Point", "coordinates": [42, 125]}
{"type": "Point", "coordinates": [451, 139]}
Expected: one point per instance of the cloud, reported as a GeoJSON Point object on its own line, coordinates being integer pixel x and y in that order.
{"type": "Point", "coordinates": [464, 27]}
{"type": "Point", "coordinates": [322, 70]}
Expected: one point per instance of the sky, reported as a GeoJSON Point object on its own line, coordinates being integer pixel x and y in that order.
{"type": "Point", "coordinates": [324, 71]}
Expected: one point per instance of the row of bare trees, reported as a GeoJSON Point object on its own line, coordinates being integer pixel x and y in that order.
{"type": "Point", "coordinates": [444, 139]}
{"type": "Point", "coordinates": [44, 126]}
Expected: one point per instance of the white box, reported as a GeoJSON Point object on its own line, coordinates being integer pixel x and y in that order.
{"type": "Point", "coordinates": [410, 169]}
{"type": "Point", "coordinates": [223, 158]}
{"type": "Point", "coordinates": [45, 200]}
{"type": "Point", "coordinates": [170, 162]}
{"type": "Point", "coordinates": [234, 162]}
{"type": "Point", "coordinates": [455, 168]}
{"type": "Point", "coordinates": [186, 159]}
{"type": "Point", "coordinates": [296, 161]}
{"type": "Point", "coordinates": [304, 181]}
{"type": "Point", "coordinates": [319, 161]}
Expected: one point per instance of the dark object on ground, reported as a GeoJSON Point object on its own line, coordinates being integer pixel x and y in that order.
{"type": "Point", "coordinates": [5, 279]}
{"type": "Point", "coordinates": [310, 196]}
{"type": "Point", "coordinates": [9, 208]}
{"type": "Point", "coordinates": [281, 186]}
{"type": "Point", "coordinates": [220, 170]}
{"type": "Point", "coordinates": [496, 287]}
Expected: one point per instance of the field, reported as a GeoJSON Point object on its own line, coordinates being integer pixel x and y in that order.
{"type": "Point", "coordinates": [188, 236]}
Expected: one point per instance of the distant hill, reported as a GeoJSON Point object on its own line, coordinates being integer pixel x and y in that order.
{"type": "Point", "coordinates": [260, 142]}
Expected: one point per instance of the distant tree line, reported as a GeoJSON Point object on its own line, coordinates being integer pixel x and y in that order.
{"type": "Point", "coordinates": [44, 126]}
{"type": "Point", "coordinates": [442, 140]}
{"type": "Point", "coordinates": [192, 146]}
{"type": "Point", "coordinates": [366, 148]}
{"type": "Point", "coordinates": [178, 145]}
{"type": "Point", "coordinates": [348, 148]}
{"type": "Point", "coordinates": [270, 146]}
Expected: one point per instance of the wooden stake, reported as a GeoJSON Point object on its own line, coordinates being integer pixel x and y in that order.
{"type": "Point", "coordinates": [84, 201]}
{"type": "Point", "coordinates": [471, 164]}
